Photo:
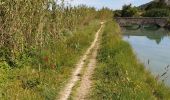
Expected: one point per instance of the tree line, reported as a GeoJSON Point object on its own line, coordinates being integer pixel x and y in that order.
{"type": "Point", "coordinates": [152, 9]}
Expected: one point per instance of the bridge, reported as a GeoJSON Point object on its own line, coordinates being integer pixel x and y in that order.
{"type": "Point", "coordinates": [124, 21]}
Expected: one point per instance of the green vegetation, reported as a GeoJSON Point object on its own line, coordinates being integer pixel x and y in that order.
{"type": "Point", "coordinates": [40, 42]}
{"type": "Point", "coordinates": [152, 9]}
{"type": "Point", "coordinates": [104, 13]}
{"type": "Point", "coordinates": [30, 82]}
{"type": "Point", "coordinates": [117, 13]}
{"type": "Point", "coordinates": [157, 9]}
{"type": "Point", "coordinates": [127, 11]}
{"type": "Point", "coordinates": [157, 12]}
{"type": "Point", "coordinates": [160, 5]}
{"type": "Point", "coordinates": [119, 75]}
{"type": "Point", "coordinates": [31, 30]}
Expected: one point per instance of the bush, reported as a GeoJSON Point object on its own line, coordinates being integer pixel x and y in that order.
{"type": "Point", "coordinates": [157, 13]}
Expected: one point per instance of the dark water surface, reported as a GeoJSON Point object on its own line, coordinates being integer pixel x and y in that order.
{"type": "Point", "coordinates": [152, 48]}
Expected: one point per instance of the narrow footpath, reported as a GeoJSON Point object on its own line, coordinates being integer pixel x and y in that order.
{"type": "Point", "coordinates": [85, 79]}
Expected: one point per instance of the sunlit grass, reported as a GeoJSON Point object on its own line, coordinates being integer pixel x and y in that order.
{"type": "Point", "coordinates": [119, 75]}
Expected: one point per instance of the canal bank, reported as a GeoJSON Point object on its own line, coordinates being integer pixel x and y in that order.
{"type": "Point", "coordinates": [120, 75]}
{"type": "Point", "coordinates": [152, 48]}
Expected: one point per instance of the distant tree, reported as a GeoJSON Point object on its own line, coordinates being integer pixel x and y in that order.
{"type": "Point", "coordinates": [157, 13]}
{"type": "Point", "coordinates": [129, 11]}
{"type": "Point", "coordinates": [159, 4]}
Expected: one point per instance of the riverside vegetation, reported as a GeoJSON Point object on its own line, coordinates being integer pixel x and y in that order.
{"type": "Point", "coordinates": [41, 41]}
{"type": "Point", "coordinates": [119, 75]}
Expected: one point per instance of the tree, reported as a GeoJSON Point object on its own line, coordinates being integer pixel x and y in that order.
{"type": "Point", "coordinates": [161, 4]}
{"type": "Point", "coordinates": [129, 11]}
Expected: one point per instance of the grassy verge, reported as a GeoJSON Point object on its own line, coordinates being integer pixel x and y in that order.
{"type": "Point", "coordinates": [119, 75]}
{"type": "Point", "coordinates": [43, 80]}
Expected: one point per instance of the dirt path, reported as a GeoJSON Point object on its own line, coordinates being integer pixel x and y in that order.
{"type": "Point", "coordinates": [85, 83]}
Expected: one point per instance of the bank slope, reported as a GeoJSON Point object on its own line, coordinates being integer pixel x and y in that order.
{"type": "Point", "coordinates": [119, 75]}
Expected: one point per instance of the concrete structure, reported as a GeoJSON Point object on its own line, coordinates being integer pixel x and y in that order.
{"type": "Point", "coordinates": [124, 21]}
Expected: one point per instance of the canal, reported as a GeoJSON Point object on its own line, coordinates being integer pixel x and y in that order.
{"type": "Point", "coordinates": [152, 48]}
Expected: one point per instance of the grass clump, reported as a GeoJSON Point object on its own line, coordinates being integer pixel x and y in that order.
{"type": "Point", "coordinates": [119, 75]}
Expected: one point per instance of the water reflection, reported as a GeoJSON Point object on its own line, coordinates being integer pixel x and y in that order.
{"type": "Point", "coordinates": [153, 49]}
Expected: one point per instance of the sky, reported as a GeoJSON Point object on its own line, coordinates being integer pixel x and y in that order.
{"type": "Point", "coordinates": [113, 4]}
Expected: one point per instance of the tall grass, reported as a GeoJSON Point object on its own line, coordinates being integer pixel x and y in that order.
{"type": "Point", "coordinates": [31, 83]}
{"type": "Point", "coordinates": [40, 41]}
{"type": "Point", "coordinates": [119, 76]}
{"type": "Point", "coordinates": [36, 24]}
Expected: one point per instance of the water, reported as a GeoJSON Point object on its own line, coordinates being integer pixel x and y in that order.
{"type": "Point", "coordinates": [153, 49]}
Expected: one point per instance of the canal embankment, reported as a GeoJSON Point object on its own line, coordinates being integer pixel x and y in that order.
{"type": "Point", "coordinates": [120, 75]}
{"type": "Point", "coordinates": [152, 48]}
